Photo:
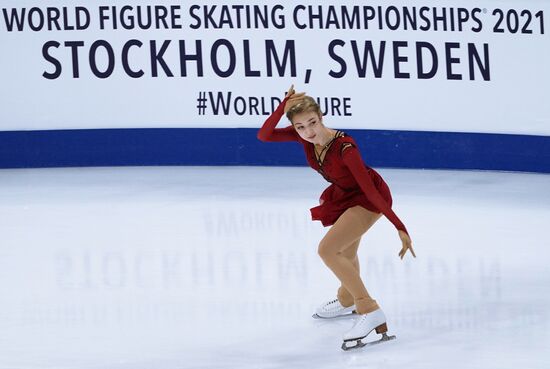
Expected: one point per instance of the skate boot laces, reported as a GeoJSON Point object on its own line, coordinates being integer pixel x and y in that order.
{"type": "Point", "coordinates": [333, 309]}
{"type": "Point", "coordinates": [332, 305]}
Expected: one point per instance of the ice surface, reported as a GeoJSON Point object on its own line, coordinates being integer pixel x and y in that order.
{"type": "Point", "coordinates": [217, 267]}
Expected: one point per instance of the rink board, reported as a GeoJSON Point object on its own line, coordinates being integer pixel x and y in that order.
{"type": "Point", "coordinates": [239, 146]}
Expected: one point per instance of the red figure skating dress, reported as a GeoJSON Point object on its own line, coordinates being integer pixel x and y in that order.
{"type": "Point", "coordinates": [352, 182]}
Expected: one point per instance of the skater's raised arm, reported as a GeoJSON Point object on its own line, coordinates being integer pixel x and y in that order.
{"type": "Point", "coordinates": [352, 159]}
{"type": "Point", "coordinates": [268, 132]}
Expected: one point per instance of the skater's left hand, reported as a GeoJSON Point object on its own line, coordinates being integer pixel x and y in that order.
{"type": "Point", "coordinates": [407, 244]}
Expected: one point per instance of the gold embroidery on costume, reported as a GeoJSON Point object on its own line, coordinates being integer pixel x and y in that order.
{"type": "Point", "coordinates": [346, 146]}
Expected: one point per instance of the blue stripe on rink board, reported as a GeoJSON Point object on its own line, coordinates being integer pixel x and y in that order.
{"type": "Point", "coordinates": [239, 146]}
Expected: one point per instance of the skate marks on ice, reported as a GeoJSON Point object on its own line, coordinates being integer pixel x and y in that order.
{"type": "Point", "coordinates": [307, 346]}
{"type": "Point", "coordinates": [464, 303]}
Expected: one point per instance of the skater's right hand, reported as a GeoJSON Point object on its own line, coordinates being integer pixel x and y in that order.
{"type": "Point", "coordinates": [293, 98]}
{"type": "Point", "coordinates": [407, 244]}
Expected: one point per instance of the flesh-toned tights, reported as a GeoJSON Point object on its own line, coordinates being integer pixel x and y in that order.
{"type": "Point", "coordinates": [338, 249]}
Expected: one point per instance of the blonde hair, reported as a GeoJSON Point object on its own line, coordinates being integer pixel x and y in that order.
{"type": "Point", "coordinates": [308, 104]}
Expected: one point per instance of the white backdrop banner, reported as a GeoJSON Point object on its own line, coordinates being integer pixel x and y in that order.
{"type": "Point", "coordinates": [459, 66]}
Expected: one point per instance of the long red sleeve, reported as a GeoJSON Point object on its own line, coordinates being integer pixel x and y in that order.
{"type": "Point", "coordinates": [352, 159]}
{"type": "Point", "coordinates": [268, 132]}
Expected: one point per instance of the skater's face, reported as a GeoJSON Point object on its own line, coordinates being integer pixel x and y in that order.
{"type": "Point", "coordinates": [309, 126]}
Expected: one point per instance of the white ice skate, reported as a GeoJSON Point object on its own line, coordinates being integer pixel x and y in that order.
{"type": "Point", "coordinates": [365, 324]}
{"type": "Point", "coordinates": [333, 309]}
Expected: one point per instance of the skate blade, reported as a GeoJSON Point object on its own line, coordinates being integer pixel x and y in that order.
{"type": "Point", "coordinates": [359, 343]}
{"type": "Point", "coordinates": [344, 316]}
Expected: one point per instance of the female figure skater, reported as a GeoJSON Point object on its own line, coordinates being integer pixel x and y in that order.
{"type": "Point", "coordinates": [355, 200]}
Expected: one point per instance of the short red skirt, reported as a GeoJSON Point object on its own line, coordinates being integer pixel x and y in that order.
{"type": "Point", "coordinates": [334, 201]}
